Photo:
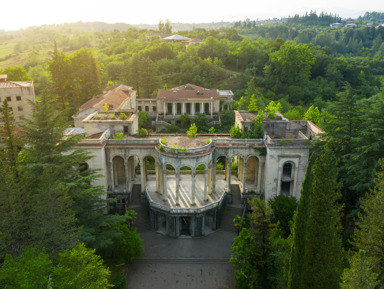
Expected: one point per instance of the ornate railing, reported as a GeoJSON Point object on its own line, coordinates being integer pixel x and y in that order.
{"type": "Point", "coordinates": [184, 151]}
{"type": "Point", "coordinates": [132, 141]}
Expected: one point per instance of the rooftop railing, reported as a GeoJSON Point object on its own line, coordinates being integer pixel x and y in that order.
{"type": "Point", "coordinates": [185, 151]}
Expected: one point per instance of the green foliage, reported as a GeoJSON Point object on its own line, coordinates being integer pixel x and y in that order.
{"type": "Point", "coordinates": [252, 253]}
{"type": "Point", "coordinates": [126, 246]}
{"type": "Point", "coordinates": [173, 128]}
{"type": "Point", "coordinates": [369, 232]}
{"type": "Point", "coordinates": [106, 107]}
{"type": "Point", "coordinates": [192, 132]}
{"type": "Point", "coordinates": [312, 114]}
{"type": "Point", "coordinates": [272, 109]}
{"type": "Point", "coordinates": [80, 268]}
{"type": "Point", "coordinates": [361, 274]}
{"type": "Point", "coordinates": [185, 118]}
{"type": "Point", "coordinates": [142, 132]}
{"type": "Point", "coordinates": [30, 270]}
{"type": "Point", "coordinates": [316, 255]}
{"type": "Point", "coordinates": [143, 119]}
{"type": "Point", "coordinates": [283, 209]}
{"type": "Point", "coordinates": [235, 132]}
{"type": "Point", "coordinates": [163, 141]}
{"type": "Point", "coordinates": [119, 135]}
{"type": "Point", "coordinates": [15, 73]}
{"type": "Point", "coordinates": [123, 115]}
{"type": "Point", "coordinates": [211, 130]}
{"type": "Point", "coordinates": [201, 121]}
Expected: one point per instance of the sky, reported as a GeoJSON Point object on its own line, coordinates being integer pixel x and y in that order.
{"type": "Point", "coordinates": [19, 14]}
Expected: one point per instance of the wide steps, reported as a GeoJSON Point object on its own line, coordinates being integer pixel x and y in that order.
{"type": "Point", "coordinates": [184, 260]}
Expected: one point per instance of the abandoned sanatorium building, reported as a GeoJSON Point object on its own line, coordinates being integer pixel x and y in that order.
{"type": "Point", "coordinates": [187, 181]}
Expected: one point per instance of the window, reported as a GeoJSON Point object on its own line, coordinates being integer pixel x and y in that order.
{"type": "Point", "coordinates": [10, 109]}
{"type": "Point", "coordinates": [139, 107]}
{"type": "Point", "coordinates": [154, 109]}
{"type": "Point", "coordinates": [18, 98]}
{"type": "Point", "coordinates": [9, 98]}
{"type": "Point", "coordinates": [287, 170]}
{"type": "Point", "coordinates": [146, 108]}
{"type": "Point", "coordinates": [20, 108]}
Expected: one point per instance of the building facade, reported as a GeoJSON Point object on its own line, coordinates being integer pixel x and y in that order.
{"type": "Point", "coordinates": [19, 95]}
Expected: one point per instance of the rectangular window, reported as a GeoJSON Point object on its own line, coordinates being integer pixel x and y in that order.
{"type": "Point", "coordinates": [139, 107]}
{"type": "Point", "coordinates": [20, 108]}
{"type": "Point", "coordinates": [9, 98]}
{"type": "Point", "coordinates": [154, 108]}
{"type": "Point", "coordinates": [18, 98]}
{"type": "Point", "coordinates": [146, 108]}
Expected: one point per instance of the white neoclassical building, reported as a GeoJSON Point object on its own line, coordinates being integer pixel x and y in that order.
{"type": "Point", "coordinates": [187, 181]}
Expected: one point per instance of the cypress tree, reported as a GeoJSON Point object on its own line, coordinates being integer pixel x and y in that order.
{"type": "Point", "coordinates": [323, 255]}
{"type": "Point", "coordinates": [316, 254]}
{"type": "Point", "coordinates": [299, 230]}
{"type": "Point", "coordinates": [369, 234]}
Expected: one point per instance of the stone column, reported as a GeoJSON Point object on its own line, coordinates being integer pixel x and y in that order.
{"type": "Point", "coordinates": [229, 174]}
{"type": "Point", "coordinates": [126, 175]}
{"type": "Point", "coordinates": [165, 189]}
{"type": "Point", "coordinates": [193, 186]}
{"type": "Point", "coordinates": [205, 184]}
{"type": "Point", "coordinates": [112, 177]}
{"type": "Point", "coordinates": [177, 174]}
{"type": "Point", "coordinates": [295, 181]}
{"type": "Point", "coordinates": [209, 176]}
{"type": "Point", "coordinates": [173, 109]}
{"type": "Point", "coordinates": [279, 173]}
{"type": "Point", "coordinates": [244, 175]}
{"type": "Point", "coordinates": [202, 107]}
{"type": "Point", "coordinates": [157, 166]}
{"type": "Point", "coordinates": [211, 109]}
{"type": "Point", "coordinates": [142, 177]}
{"type": "Point", "coordinates": [213, 176]}
{"type": "Point", "coordinates": [164, 109]}
{"type": "Point", "coordinates": [192, 108]}
{"type": "Point", "coordinates": [259, 177]}
{"type": "Point", "coordinates": [183, 108]}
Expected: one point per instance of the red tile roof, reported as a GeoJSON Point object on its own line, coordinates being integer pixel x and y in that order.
{"type": "Point", "coordinates": [114, 98]}
{"type": "Point", "coordinates": [187, 91]}
{"type": "Point", "coordinates": [11, 84]}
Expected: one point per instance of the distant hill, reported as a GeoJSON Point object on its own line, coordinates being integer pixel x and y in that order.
{"type": "Point", "coordinates": [103, 26]}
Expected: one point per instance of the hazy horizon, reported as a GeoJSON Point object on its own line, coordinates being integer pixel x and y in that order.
{"type": "Point", "coordinates": [43, 12]}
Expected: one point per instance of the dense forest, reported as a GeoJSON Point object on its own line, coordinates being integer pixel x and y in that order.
{"type": "Point", "coordinates": [331, 238]}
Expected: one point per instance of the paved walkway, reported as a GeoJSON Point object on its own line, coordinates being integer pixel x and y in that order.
{"type": "Point", "coordinates": [187, 263]}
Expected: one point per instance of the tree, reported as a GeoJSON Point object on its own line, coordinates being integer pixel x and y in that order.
{"type": "Point", "coordinates": [370, 225]}
{"type": "Point", "coordinates": [312, 114]}
{"type": "Point", "coordinates": [15, 211]}
{"type": "Point", "coordinates": [235, 132]}
{"type": "Point", "coordinates": [272, 109]}
{"type": "Point", "coordinates": [361, 274]}
{"type": "Point", "coordinates": [192, 132]}
{"type": "Point", "coordinates": [253, 104]}
{"type": "Point", "coordinates": [126, 246]}
{"type": "Point", "coordinates": [15, 73]}
{"type": "Point", "coordinates": [291, 64]}
{"type": "Point", "coordinates": [252, 254]}
{"type": "Point", "coordinates": [48, 169]}
{"type": "Point", "coordinates": [201, 121]}
{"type": "Point", "coordinates": [321, 246]}
{"type": "Point", "coordinates": [80, 267]}
{"type": "Point", "coordinates": [143, 119]}
{"type": "Point", "coordinates": [62, 78]}
{"type": "Point", "coordinates": [30, 270]}
{"type": "Point", "coordinates": [283, 209]}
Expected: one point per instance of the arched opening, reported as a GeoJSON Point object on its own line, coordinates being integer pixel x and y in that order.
{"type": "Point", "coordinates": [119, 173]}
{"type": "Point", "coordinates": [253, 175]}
{"type": "Point", "coordinates": [83, 167]}
{"type": "Point", "coordinates": [286, 179]}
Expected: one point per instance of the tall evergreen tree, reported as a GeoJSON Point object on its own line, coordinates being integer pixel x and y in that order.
{"type": "Point", "coordinates": [252, 253]}
{"type": "Point", "coordinates": [316, 255]}
{"type": "Point", "coordinates": [369, 234]}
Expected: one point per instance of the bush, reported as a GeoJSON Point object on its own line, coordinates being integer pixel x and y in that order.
{"type": "Point", "coordinates": [192, 132]}
{"type": "Point", "coordinates": [142, 132]}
